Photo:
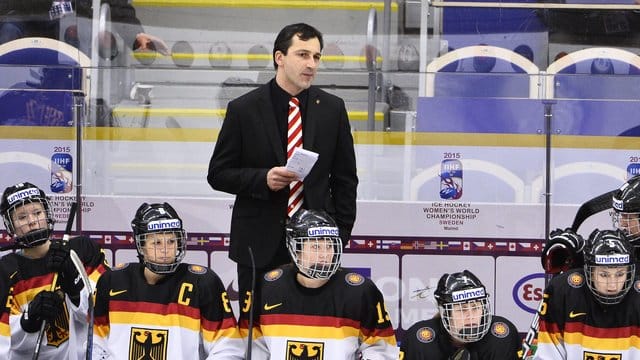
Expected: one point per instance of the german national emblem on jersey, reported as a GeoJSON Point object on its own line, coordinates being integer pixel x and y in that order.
{"type": "Point", "coordinates": [500, 329]}
{"type": "Point", "coordinates": [297, 350]}
{"type": "Point", "coordinates": [58, 331]}
{"type": "Point", "coordinates": [425, 335]}
{"type": "Point", "coordinates": [197, 269]}
{"type": "Point", "coordinates": [354, 279]}
{"type": "Point", "coordinates": [575, 280]}
{"type": "Point", "coordinates": [273, 275]}
{"type": "Point", "coordinates": [588, 355]}
{"type": "Point", "coordinates": [147, 344]}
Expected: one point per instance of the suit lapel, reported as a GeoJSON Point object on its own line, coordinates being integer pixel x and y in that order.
{"type": "Point", "coordinates": [313, 116]}
{"type": "Point", "coordinates": [268, 121]}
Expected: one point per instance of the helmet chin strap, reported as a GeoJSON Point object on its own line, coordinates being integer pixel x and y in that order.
{"type": "Point", "coordinates": [32, 238]}
{"type": "Point", "coordinates": [469, 334]}
{"type": "Point", "coordinates": [304, 274]}
{"type": "Point", "coordinates": [316, 268]}
{"type": "Point", "coordinates": [469, 330]}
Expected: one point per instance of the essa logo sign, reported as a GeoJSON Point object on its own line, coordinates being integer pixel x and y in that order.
{"type": "Point", "coordinates": [527, 292]}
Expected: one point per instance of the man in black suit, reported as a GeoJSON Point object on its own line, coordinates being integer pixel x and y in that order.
{"type": "Point", "coordinates": [250, 156]}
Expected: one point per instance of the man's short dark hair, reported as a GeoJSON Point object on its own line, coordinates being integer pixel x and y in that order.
{"type": "Point", "coordinates": [285, 38]}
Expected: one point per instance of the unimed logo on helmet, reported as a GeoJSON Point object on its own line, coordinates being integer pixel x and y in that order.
{"type": "Point", "coordinates": [322, 231]}
{"type": "Point", "coordinates": [618, 204]}
{"type": "Point", "coordinates": [164, 224]}
{"type": "Point", "coordinates": [17, 196]}
{"type": "Point", "coordinates": [467, 294]}
{"type": "Point", "coordinates": [612, 259]}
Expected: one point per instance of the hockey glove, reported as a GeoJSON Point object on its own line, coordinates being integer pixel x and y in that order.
{"type": "Point", "coordinates": [563, 251]}
{"type": "Point", "coordinates": [47, 306]}
{"type": "Point", "coordinates": [58, 260]}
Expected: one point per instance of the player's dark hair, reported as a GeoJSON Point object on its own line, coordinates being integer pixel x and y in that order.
{"type": "Point", "coordinates": [285, 38]}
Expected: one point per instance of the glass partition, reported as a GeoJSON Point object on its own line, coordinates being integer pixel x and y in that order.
{"type": "Point", "coordinates": [478, 126]}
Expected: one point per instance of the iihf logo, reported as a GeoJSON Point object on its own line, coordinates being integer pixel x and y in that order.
{"type": "Point", "coordinates": [450, 179]}
{"type": "Point", "coordinates": [61, 173]}
{"type": "Point", "coordinates": [633, 169]}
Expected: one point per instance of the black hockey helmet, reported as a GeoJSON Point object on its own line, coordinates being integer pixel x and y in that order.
{"type": "Point", "coordinates": [151, 219]}
{"type": "Point", "coordinates": [609, 248]}
{"type": "Point", "coordinates": [316, 226]}
{"type": "Point", "coordinates": [626, 206]}
{"type": "Point", "coordinates": [459, 292]}
{"type": "Point", "coordinates": [17, 196]}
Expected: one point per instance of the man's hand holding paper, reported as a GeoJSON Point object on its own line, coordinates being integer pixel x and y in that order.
{"type": "Point", "coordinates": [301, 162]}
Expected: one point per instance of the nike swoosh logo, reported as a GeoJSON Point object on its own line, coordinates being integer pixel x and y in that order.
{"type": "Point", "coordinates": [574, 315]}
{"type": "Point", "coordinates": [116, 293]}
{"type": "Point", "coordinates": [12, 275]}
{"type": "Point", "coordinates": [271, 307]}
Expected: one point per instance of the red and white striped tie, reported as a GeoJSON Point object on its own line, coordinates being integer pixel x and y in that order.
{"type": "Point", "coordinates": [294, 140]}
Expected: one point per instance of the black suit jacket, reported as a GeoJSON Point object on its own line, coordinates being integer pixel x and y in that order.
{"type": "Point", "coordinates": [249, 145]}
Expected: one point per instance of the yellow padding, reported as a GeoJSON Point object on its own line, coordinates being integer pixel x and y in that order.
{"type": "Point", "coordinates": [269, 4]}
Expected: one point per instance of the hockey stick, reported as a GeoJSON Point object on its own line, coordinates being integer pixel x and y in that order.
{"type": "Point", "coordinates": [54, 283]}
{"type": "Point", "coordinates": [592, 207]}
{"type": "Point", "coordinates": [461, 354]}
{"type": "Point", "coordinates": [87, 283]}
{"type": "Point", "coordinates": [587, 209]}
{"type": "Point", "coordinates": [253, 299]}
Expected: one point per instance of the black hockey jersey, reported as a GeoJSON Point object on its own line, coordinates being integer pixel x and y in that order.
{"type": "Point", "coordinates": [187, 315]}
{"type": "Point", "coordinates": [21, 279]}
{"type": "Point", "coordinates": [574, 325]}
{"type": "Point", "coordinates": [428, 339]}
{"type": "Point", "coordinates": [344, 319]}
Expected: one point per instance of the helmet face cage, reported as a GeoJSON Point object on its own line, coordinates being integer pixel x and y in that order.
{"type": "Point", "coordinates": [314, 243]}
{"type": "Point", "coordinates": [160, 238]}
{"type": "Point", "coordinates": [316, 257]}
{"type": "Point", "coordinates": [17, 196]}
{"type": "Point", "coordinates": [162, 243]}
{"type": "Point", "coordinates": [629, 223]}
{"type": "Point", "coordinates": [464, 306]}
{"type": "Point", "coordinates": [609, 266]}
{"type": "Point", "coordinates": [626, 203]}
{"type": "Point", "coordinates": [467, 321]}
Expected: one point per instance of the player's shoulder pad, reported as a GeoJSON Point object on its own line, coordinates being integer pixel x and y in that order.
{"type": "Point", "coordinates": [9, 263]}
{"type": "Point", "coordinates": [500, 327]}
{"type": "Point", "coordinates": [79, 240]}
{"type": "Point", "coordinates": [354, 279]}
{"type": "Point", "coordinates": [82, 244]}
{"type": "Point", "coordinates": [120, 266]}
{"type": "Point", "coordinates": [10, 258]}
{"type": "Point", "coordinates": [575, 279]}
{"type": "Point", "coordinates": [425, 334]}
{"type": "Point", "coordinates": [273, 275]}
{"type": "Point", "coordinates": [197, 269]}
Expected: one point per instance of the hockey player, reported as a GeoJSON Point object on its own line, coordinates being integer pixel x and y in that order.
{"type": "Point", "coordinates": [161, 308]}
{"type": "Point", "coordinates": [592, 313]}
{"type": "Point", "coordinates": [626, 206]}
{"type": "Point", "coordinates": [27, 275]}
{"type": "Point", "coordinates": [315, 310]}
{"type": "Point", "coordinates": [464, 328]}
{"type": "Point", "coordinates": [563, 250]}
